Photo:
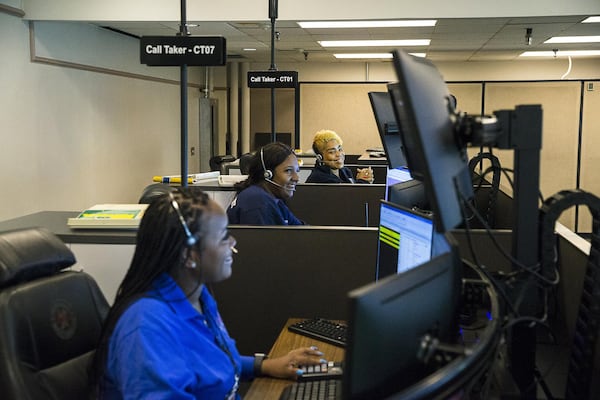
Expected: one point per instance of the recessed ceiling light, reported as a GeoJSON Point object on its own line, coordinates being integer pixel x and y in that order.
{"type": "Point", "coordinates": [574, 39]}
{"type": "Point", "coordinates": [363, 55]}
{"type": "Point", "coordinates": [371, 43]}
{"type": "Point", "coordinates": [572, 53]}
{"type": "Point", "coordinates": [371, 55]}
{"type": "Point", "coordinates": [366, 24]}
{"type": "Point", "coordinates": [590, 20]}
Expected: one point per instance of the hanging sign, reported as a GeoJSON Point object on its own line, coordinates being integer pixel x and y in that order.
{"type": "Point", "coordinates": [272, 79]}
{"type": "Point", "coordinates": [183, 50]}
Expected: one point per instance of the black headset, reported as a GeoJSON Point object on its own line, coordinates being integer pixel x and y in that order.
{"type": "Point", "coordinates": [268, 174]}
{"type": "Point", "coordinates": [318, 154]}
{"type": "Point", "coordinates": [191, 239]}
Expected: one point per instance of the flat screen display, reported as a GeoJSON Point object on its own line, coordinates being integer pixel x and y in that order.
{"type": "Point", "coordinates": [394, 176]}
{"type": "Point", "coordinates": [405, 239]}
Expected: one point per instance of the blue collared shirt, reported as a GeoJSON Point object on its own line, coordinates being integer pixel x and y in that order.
{"type": "Point", "coordinates": [255, 206]}
{"type": "Point", "coordinates": [162, 348]}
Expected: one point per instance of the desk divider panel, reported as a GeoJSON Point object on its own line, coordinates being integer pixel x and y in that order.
{"type": "Point", "coordinates": [283, 272]}
{"type": "Point", "coordinates": [334, 204]}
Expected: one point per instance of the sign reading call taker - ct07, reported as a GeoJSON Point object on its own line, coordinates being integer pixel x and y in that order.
{"type": "Point", "coordinates": [183, 50]}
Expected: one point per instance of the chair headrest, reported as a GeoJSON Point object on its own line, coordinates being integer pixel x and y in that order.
{"type": "Point", "coordinates": [31, 253]}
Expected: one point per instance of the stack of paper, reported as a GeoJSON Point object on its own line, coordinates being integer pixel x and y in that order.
{"type": "Point", "coordinates": [230, 180]}
{"type": "Point", "coordinates": [192, 178]}
{"type": "Point", "coordinates": [113, 216]}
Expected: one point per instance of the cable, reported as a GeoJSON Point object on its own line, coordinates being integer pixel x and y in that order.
{"type": "Point", "coordinates": [508, 256]}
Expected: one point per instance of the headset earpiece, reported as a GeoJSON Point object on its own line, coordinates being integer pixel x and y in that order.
{"type": "Point", "coordinates": [268, 174]}
{"type": "Point", "coordinates": [191, 239]}
{"type": "Point", "coordinates": [318, 154]}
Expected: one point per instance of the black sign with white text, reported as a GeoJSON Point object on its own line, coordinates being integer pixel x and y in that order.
{"type": "Point", "coordinates": [183, 50]}
{"type": "Point", "coordinates": [272, 79]}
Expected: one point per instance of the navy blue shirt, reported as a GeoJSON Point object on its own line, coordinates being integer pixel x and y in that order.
{"type": "Point", "coordinates": [323, 174]}
{"type": "Point", "coordinates": [256, 206]}
{"type": "Point", "coordinates": [162, 347]}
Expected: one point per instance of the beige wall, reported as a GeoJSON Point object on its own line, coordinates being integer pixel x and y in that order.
{"type": "Point", "coordinates": [83, 123]}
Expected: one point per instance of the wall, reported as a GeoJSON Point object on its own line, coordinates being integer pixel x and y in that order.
{"type": "Point", "coordinates": [82, 122]}
{"type": "Point", "coordinates": [73, 137]}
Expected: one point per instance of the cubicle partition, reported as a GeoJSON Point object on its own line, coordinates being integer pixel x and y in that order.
{"type": "Point", "coordinates": [283, 272]}
{"type": "Point", "coordinates": [334, 204]}
{"type": "Point", "coordinates": [379, 171]}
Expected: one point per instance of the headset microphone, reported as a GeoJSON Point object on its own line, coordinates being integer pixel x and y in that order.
{"type": "Point", "coordinates": [281, 186]}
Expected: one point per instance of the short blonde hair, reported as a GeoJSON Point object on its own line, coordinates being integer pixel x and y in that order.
{"type": "Point", "coordinates": [322, 137]}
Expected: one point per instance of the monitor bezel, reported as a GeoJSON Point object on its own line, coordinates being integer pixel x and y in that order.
{"type": "Point", "coordinates": [435, 156]}
{"type": "Point", "coordinates": [376, 365]}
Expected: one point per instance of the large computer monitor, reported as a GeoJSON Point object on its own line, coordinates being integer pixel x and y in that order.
{"type": "Point", "coordinates": [388, 128]}
{"type": "Point", "coordinates": [388, 320]}
{"type": "Point", "coordinates": [405, 239]}
{"type": "Point", "coordinates": [434, 155]}
{"type": "Point", "coordinates": [394, 176]}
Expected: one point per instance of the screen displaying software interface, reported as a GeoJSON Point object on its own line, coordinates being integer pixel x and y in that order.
{"type": "Point", "coordinates": [394, 176]}
{"type": "Point", "coordinates": [405, 239]}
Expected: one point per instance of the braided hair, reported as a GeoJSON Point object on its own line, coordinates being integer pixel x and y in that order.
{"type": "Point", "coordinates": [160, 244]}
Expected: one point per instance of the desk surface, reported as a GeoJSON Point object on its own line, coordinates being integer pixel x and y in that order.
{"type": "Point", "coordinates": [56, 222]}
{"type": "Point", "coordinates": [271, 388]}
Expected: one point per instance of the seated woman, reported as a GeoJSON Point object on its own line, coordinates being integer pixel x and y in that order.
{"type": "Point", "coordinates": [329, 168]}
{"type": "Point", "coordinates": [272, 179]}
{"type": "Point", "coordinates": [164, 337]}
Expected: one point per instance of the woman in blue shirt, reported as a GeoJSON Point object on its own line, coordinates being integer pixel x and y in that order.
{"type": "Point", "coordinates": [163, 337]}
{"type": "Point", "coordinates": [272, 179]}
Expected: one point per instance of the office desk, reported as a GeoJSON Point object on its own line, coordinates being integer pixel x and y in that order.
{"type": "Point", "coordinates": [270, 388]}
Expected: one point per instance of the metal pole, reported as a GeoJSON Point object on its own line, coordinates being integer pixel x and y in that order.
{"type": "Point", "coordinates": [184, 101]}
{"type": "Point", "coordinates": [273, 16]}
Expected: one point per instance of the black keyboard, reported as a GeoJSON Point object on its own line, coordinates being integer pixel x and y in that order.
{"type": "Point", "coordinates": [329, 389]}
{"type": "Point", "coordinates": [322, 329]}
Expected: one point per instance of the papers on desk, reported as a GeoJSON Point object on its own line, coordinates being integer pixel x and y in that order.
{"type": "Point", "coordinates": [192, 178]}
{"type": "Point", "coordinates": [109, 216]}
{"type": "Point", "coordinates": [230, 180]}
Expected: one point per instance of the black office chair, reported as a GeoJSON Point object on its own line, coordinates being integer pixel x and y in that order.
{"type": "Point", "coordinates": [50, 319]}
{"type": "Point", "coordinates": [216, 162]}
{"type": "Point", "coordinates": [245, 160]}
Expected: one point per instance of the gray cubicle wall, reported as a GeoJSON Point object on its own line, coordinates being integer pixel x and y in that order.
{"type": "Point", "coordinates": [283, 272]}
{"type": "Point", "coordinates": [337, 204]}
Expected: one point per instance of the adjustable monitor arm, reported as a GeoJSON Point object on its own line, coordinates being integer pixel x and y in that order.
{"type": "Point", "coordinates": [521, 130]}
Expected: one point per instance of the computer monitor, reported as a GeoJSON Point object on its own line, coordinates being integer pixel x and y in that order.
{"type": "Point", "coordinates": [405, 239]}
{"type": "Point", "coordinates": [388, 128]}
{"type": "Point", "coordinates": [410, 194]}
{"type": "Point", "coordinates": [434, 156]}
{"type": "Point", "coordinates": [388, 320]}
{"type": "Point", "coordinates": [395, 176]}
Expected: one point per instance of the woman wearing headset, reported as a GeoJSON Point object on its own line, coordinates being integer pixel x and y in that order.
{"type": "Point", "coordinates": [164, 337]}
{"type": "Point", "coordinates": [272, 179]}
{"type": "Point", "coordinates": [329, 168]}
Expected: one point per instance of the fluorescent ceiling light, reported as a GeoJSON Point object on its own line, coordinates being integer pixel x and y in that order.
{"type": "Point", "coordinates": [371, 43]}
{"type": "Point", "coordinates": [363, 55]}
{"type": "Point", "coordinates": [372, 55]}
{"type": "Point", "coordinates": [572, 53]}
{"type": "Point", "coordinates": [249, 49]}
{"type": "Point", "coordinates": [366, 24]}
{"type": "Point", "coordinates": [574, 39]}
{"type": "Point", "coordinates": [589, 20]}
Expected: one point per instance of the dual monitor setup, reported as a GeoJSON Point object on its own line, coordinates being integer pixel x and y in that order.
{"type": "Point", "coordinates": [418, 288]}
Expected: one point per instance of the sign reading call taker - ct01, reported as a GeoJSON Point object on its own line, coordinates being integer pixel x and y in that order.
{"type": "Point", "coordinates": [183, 50]}
{"type": "Point", "coordinates": [272, 79]}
